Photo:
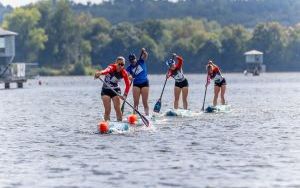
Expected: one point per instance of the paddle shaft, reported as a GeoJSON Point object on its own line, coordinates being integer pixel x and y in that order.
{"type": "Point", "coordinates": [144, 119]}
{"type": "Point", "coordinates": [163, 88]}
{"type": "Point", "coordinates": [157, 106]}
{"type": "Point", "coordinates": [202, 109]}
{"type": "Point", "coordinates": [204, 98]}
{"type": "Point", "coordinates": [131, 82]}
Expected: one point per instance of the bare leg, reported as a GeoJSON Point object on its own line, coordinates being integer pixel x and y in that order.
{"type": "Point", "coordinates": [107, 107]}
{"type": "Point", "coordinates": [177, 92]}
{"type": "Point", "coordinates": [116, 101]}
{"type": "Point", "coordinates": [136, 97]}
{"type": "Point", "coordinates": [145, 93]}
{"type": "Point", "coordinates": [216, 92]}
{"type": "Point", "coordinates": [223, 89]}
{"type": "Point", "coordinates": [185, 92]}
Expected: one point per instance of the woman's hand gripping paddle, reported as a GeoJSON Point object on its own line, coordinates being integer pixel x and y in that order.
{"type": "Point", "coordinates": [144, 119]}
{"type": "Point", "coordinates": [133, 76]}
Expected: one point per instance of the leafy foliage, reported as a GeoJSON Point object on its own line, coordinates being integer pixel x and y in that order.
{"type": "Point", "coordinates": [73, 41]}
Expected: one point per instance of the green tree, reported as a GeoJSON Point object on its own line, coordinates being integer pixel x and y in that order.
{"type": "Point", "coordinates": [65, 37]}
{"type": "Point", "coordinates": [31, 39]}
{"type": "Point", "coordinates": [98, 35]}
{"type": "Point", "coordinates": [234, 43]}
{"type": "Point", "coordinates": [292, 50]}
{"type": "Point", "coordinates": [270, 38]}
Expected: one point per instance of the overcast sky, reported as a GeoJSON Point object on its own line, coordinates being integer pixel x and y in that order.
{"type": "Point", "coordinates": [16, 3]}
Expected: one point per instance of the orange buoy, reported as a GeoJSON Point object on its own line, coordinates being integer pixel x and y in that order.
{"type": "Point", "coordinates": [132, 119]}
{"type": "Point", "coordinates": [103, 127]}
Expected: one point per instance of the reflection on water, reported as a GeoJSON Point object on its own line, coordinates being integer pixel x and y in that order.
{"type": "Point", "coordinates": [48, 139]}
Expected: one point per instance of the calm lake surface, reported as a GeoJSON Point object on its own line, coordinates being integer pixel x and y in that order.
{"type": "Point", "coordinates": [48, 137]}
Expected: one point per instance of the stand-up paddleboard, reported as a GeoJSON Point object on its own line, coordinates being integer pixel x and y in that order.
{"type": "Point", "coordinates": [120, 126]}
{"type": "Point", "coordinates": [218, 109]}
{"type": "Point", "coordinates": [180, 113]}
{"type": "Point", "coordinates": [117, 127]}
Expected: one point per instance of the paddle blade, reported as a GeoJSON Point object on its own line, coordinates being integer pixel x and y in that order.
{"type": "Point", "coordinates": [144, 119]}
{"type": "Point", "coordinates": [157, 106]}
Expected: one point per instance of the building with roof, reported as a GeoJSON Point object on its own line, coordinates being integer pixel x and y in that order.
{"type": "Point", "coordinates": [10, 72]}
{"type": "Point", "coordinates": [254, 62]}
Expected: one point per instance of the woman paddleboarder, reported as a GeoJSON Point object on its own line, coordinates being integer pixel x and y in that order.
{"type": "Point", "coordinates": [181, 83]}
{"type": "Point", "coordinates": [138, 71]}
{"type": "Point", "coordinates": [113, 74]}
{"type": "Point", "coordinates": [214, 73]}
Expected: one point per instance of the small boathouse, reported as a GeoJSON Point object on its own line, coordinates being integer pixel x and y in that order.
{"type": "Point", "coordinates": [10, 72]}
{"type": "Point", "coordinates": [254, 62]}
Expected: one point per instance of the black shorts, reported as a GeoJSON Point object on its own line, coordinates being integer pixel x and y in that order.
{"type": "Point", "coordinates": [182, 84]}
{"type": "Point", "coordinates": [109, 92]}
{"type": "Point", "coordinates": [220, 84]}
{"type": "Point", "coordinates": [145, 84]}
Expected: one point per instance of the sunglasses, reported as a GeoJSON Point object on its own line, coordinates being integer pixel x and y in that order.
{"type": "Point", "coordinates": [121, 64]}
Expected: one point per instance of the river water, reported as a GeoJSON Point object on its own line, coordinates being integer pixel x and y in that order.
{"type": "Point", "coordinates": [48, 137]}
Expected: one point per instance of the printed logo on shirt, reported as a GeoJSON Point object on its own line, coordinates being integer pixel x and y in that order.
{"type": "Point", "coordinates": [138, 71]}
{"type": "Point", "coordinates": [112, 80]}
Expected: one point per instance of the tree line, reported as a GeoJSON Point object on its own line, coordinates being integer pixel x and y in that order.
{"type": "Point", "coordinates": [71, 42]}
{"type": "Point", "coordinates": [225, 12]}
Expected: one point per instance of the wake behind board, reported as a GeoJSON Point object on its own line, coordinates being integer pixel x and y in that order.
{"type": "Point", "coordinates": [218, 109]}
{"type": "Point", "coordinates": [180, 113]}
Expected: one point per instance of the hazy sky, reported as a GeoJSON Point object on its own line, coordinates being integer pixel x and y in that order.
{"type": "Point", "coordinates": [16, 3]}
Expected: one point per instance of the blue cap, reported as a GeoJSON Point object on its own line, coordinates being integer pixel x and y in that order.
{"type": "Point", "coordinates": [170, 62]}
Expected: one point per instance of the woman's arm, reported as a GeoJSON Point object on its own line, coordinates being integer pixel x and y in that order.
{"type": "Point", "coordinates": [144, 55]}
{"type": "Point", "coordinates": [108, 70]}
{"type": "Point", "coordinates": [180, 62]}
{"type": "Point", "coordinates": [127, 82]}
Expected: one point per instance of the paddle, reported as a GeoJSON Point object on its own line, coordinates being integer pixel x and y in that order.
{"type": "Point", "coordinates": [144, 119]}
{"type": "Point", "coordinates": [134, 74]}
{"type": "Point", "coordinates": [157, 105]}
{"type": "Point", "coordinates": [207, 80]}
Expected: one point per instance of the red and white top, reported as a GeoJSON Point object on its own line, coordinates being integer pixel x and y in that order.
{"type": "Point", "coordinates": [177, 74]}
{"type": "Point", "coordinates": [112, 77]}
